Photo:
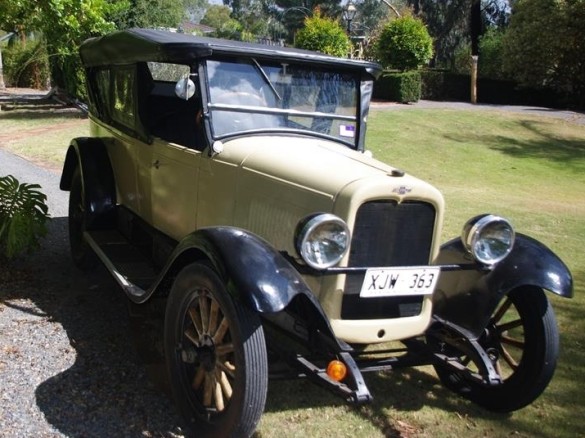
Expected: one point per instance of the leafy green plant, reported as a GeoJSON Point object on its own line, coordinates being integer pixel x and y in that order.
{"type": "Point", "coordinates": [404, 44]}
{"type": "Point", "coordinates": [491, 49]}
{"type": "Point", "coordinates": [23, 215]}
{"type": "Point", "coordinates": [324, 35]}
{"type": "Point", "coordinates": [27, 65]}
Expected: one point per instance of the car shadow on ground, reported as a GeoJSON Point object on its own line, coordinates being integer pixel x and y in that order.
{"type": "Point", "coordinates": [107, 391]}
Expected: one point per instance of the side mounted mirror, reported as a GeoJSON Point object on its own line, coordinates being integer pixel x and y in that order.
{"type": "Point", "coordinates": [185, 88]}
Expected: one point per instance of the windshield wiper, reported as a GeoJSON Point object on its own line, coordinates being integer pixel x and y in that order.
{"type": "Point", "coordinates": [266, 78]}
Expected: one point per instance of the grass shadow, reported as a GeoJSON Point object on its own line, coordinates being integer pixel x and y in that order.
{"type": "Point", "coordinates": [539, 144]}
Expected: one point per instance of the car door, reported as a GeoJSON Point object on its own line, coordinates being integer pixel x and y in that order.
{"type": "Point", "coordinates": [173, 188]}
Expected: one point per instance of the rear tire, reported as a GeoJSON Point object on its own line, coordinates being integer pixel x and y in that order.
{"type": "Point", "coordinates": [522, 337]}
{"type": "Point", "coordinates": [216, 356]}
{"type": "Point", "coordinates": [82, 254]}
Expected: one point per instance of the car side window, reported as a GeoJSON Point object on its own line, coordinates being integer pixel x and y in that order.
{"type": "Point", "coordinates": [123, 101]}
{"type": "Point", "coordinates": [168, 117]}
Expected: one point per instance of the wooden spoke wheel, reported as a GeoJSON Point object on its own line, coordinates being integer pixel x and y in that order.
{"type": "Point", "coordinates": [522, 342]}
{"type": "Point", "coordinates": [216, 356]}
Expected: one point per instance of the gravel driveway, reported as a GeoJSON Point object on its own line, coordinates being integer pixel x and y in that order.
{"type": "Point", "coordinates": [68, 362]}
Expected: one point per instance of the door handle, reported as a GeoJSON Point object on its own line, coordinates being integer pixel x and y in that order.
{"type": "Point", "coordinates": [156, 164]}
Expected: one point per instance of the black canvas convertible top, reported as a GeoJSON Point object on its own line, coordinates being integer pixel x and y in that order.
{"type": "Point", "coordinates": [139, 45]}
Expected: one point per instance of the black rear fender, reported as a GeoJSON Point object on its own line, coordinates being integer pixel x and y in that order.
{"type": "Point", "coordinates": [468, 298]}
{"type": "Point", "coordinates": [91, 157]}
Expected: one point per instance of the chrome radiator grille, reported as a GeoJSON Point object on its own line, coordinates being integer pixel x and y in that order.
{"type": "Point", "coordinates": [387, 233]}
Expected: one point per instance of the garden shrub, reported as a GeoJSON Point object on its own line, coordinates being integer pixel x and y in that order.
{"type": "Point", "coordinates": [26, 65]}
{"type": "Point", "coordinates": [491, 58]}
{"type": "Point", "coordinates": [23, 216]}
{"type": "Point", "coordinates": [404, 44]}
{"type": "Point", "coordinates": [403, 87]}
{"type": "Point", "coordinates": [321, 34]}
{"type": "Point", "coordinates": [67, 73]}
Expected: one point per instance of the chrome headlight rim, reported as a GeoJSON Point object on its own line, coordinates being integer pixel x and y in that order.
{"type": "Point", "coordinates": [476, 233]}
{"type": "Point", "coordinates": [306, 230]}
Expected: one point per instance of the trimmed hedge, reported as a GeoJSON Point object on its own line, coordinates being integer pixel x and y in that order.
{"type": "Point", "coordinates": [443, 85]}
{"type": "Point", "coordinates": [398, 87]}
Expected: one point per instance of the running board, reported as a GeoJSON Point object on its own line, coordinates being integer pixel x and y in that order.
{"type": "Point", "coordinates": [129, 267]}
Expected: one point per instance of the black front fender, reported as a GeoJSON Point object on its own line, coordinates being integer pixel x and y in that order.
{"type": "Point", "coordinates": [255, 274]}
{"type": "Point", "coordinates": [468, 298]}
{"type": "Point", "coordinates": [253, 270]}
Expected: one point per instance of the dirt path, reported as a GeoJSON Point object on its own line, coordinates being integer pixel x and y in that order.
{"type": "Point", "coordinates": [39, 131]}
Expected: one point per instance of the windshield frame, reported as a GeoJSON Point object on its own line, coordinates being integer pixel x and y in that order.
{"type": "Point", "coordinates": [354, 122]}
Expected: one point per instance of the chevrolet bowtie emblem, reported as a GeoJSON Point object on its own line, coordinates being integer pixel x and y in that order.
{"type": "Point", "coordinates": [402, 190]}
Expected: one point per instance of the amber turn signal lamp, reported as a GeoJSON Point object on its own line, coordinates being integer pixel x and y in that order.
{"type": "Point", "coordinates": [336, 370]}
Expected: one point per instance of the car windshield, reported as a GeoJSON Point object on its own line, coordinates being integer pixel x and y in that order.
{"type": "Point", "coordinates": [265, 96]}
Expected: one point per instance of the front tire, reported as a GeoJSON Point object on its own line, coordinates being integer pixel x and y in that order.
{"type": "Point", "coordinates": [216, 356]}
{"type": "Point", "coordinates": [523, 341]}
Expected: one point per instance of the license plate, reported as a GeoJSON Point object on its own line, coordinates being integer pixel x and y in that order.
{"type": "Point", "coordinates": [388, 282]}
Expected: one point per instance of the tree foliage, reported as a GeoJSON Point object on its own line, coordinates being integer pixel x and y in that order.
{"type": "Point", "coordinates": [404, 44]}
{"type": "Point", "coordinates": [322, 34]}
{"type": "Point", "coordinates": [370, 14]}
{"type": "Point", "coordinates": [219, 17]}
{"type": "Point", "coordinates": [491, 61]}
{"type": "Point", "coordinates": [449, 22]}
{"type": "Point", "coordinates": [26, 65]}
{"type": "Point", "coordinates": [148, 13]}
{"type": "Point", "coordinates": [64, 24]}
{"type": "Point", "coordinates": [291, 14]}
{"type": "Point", "coordinates": [545, 44]}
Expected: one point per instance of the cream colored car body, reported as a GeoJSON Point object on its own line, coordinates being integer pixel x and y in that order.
{"type": "Point", "coordinates": [265, 184]}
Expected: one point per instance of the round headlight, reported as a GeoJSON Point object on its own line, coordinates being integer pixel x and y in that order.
{"type": "Point", "coordinates": [322, 240]}
{"type": "Point", "coordinates": [488, 238]}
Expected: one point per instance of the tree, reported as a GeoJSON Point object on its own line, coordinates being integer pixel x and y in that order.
{"type": "Point", "coordinates": [216, 15]}
{"type": "Point", "coordinates": [64, 24]}
{"type": "Point", "coordinates": [545, 45]}
{"type": "Point", "coordinates": [455, 23]}
{"type": "Point", "coordinates": [404, 44]}
{"type": "Point", "coordinates": [292, 13]}
{"type": "Point", "coordinates": [491, 61]}
{"type": "Point", "coordinates": [448, 23]}
{"type": "Point", "coordinates": [322, 34]}
{"type": "Point", "coordinates": [370, 14]}
{"type": "Point", "coordinates": [219, 17]}
{"type": "Point", "coordinates": [146, 13]}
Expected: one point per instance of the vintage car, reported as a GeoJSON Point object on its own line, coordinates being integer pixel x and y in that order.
{"type": "Point", "coordinates": [231, 181]}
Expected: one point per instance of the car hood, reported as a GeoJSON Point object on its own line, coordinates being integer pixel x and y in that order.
{"type": "Point", "coordinates": [314, 164]}
{"type": "Point", "coordinates": [267, 184]}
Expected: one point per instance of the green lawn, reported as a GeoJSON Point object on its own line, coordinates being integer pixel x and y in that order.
{"type": "Point", "coordinates": [527, 168]}
{"type": "Point", "coordinates": [531, 170]}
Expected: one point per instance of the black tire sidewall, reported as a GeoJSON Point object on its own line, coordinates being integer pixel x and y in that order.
{"type": "Point", "coordinates": [538, 361]}
{"type": "Point", "coordinates": [81, 252]}
{"type": "Point", "coordinates": [243, 323]}
{"type": "Point", "coordinates": [536, 367]}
